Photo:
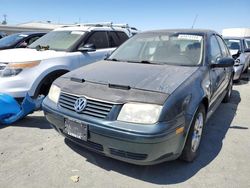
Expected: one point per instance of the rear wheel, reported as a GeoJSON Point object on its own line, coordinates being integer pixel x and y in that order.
{"type": "Point", "coordinates": [192, 144]}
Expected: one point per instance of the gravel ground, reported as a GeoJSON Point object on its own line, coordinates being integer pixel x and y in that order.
{"type": "Point", "coordinates": [34, 155]}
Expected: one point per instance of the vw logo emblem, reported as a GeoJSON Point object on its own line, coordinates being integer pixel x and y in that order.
{"type": "Point", "coordinates": [80, 104]}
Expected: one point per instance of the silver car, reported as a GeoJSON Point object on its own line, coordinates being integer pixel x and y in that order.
{"type": "Point", "coordinates": [240, 51]}
{"type": "Point", "coordinates": [32, 70]}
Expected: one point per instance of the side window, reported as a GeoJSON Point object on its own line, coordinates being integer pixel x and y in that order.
{"type": "Point", "coordinates": [214, 49]}
{"type": "Point", "coordinates": [247, 43]}
{"type": "Point", "coordinates": [223, 47]}
{"type": "Point", "coordinates": [99, 39]}
{"type": "Point", "coordinates": [113, 39]}
{"type": "Point", "coordinates": [32, 39]}
{"type": "Point", "coordinates": [122, 37]}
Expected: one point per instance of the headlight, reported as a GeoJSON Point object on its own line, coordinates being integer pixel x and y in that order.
{"type": "Point", "coordinates": [10, 72]}
{"type": "Point", "coordinates": [54, 93]}
{"type": "Point", "coordinates": [14, 69]}
{"type": "Point", "coordinates": [140, 113]}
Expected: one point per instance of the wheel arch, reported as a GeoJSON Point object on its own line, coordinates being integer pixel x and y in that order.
{"type": "Point", "coordinates": [50, 77]}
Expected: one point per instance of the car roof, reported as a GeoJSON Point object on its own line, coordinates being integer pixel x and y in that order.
{"type": "Point", "coordinates": [94, 28]}
{"type": "Point", "coordinates": [191, 31]}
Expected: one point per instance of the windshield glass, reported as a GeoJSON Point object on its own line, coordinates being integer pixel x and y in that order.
{"type": "Point", "coordinates": [233, 44]}
{"type": "Point", "coordinates": [58, 40]}
{"type": "Point", "coordinates": [11, 40]}
{"type": "Point", "coordinates": [161, 48]}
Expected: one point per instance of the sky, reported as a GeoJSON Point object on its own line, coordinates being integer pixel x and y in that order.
{"type": "Point", "coordinates": [143, 14]}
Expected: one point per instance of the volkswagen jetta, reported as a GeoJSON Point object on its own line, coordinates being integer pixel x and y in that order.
{"type": "Point", "coordinates": [149, 101]}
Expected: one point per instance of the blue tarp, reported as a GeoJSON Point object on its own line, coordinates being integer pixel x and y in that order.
{"type": "Point", "coordinates": [11, 111]}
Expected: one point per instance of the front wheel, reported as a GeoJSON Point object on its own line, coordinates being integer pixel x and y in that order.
{"type": "Point", "coordinates": [192, 144]}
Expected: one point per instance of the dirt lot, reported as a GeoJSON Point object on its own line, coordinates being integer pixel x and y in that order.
{"type": "Point", "coordinates": [34, 155]}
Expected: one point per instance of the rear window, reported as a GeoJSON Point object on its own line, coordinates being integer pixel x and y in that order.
{"type": "Point", "coordinates": [117, 38]}
{"type": "Point", "coordinates": [122, 36]}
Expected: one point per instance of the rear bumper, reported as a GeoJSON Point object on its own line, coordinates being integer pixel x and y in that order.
{"type": "Point", "coordinates": [136, 148]}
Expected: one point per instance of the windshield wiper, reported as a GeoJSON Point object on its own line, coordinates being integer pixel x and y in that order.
{"type": "Point", "coordinates": [113, 59]}
{"type": "Point", "coordinates": [143, 61]}
{"type": "Point", "coordinates": [39, 47]}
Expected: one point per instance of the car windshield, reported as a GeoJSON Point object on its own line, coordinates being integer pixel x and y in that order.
{"type": "Point", "coordinates": [58, 40]}
{"type": "Point", "coordinates": [233, 44]}
{"type": "Point", "coordinates": [161, 48]}
{"type": "Point", "coordinates": [11, 39]}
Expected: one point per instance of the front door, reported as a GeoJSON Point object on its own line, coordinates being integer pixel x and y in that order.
{"type": "Point", "coordinates": [218, 76]}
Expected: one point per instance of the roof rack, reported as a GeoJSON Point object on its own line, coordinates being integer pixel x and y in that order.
{"type": "Point", "coordinates": [106, 24]}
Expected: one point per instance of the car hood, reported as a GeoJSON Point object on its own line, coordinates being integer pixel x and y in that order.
{"type": "Point", "coordinates": [151, 77]}
{"type": "Point", "coordinates": [5, 48]}
{"type": "Point", "coordinates": [27, 54]}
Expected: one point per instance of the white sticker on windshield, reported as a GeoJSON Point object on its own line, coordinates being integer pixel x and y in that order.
{"type": "Point", "coordinates": [232, 40]}
{"type": "Point", "coordinates": [190, 37]}
{"type": "Point", "coordinates": [77, 32]}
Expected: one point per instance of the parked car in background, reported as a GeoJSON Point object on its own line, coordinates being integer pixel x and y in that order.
{"type": "Point", "coordinates": [241, 53]}
{"type": "Point", "coordinates": [32, 70]}
{"type": "Point", "coordinates": [19, 40]}
{"type": "Point", "coordinates": [2, 34]}
{"type": "Point", "coordinates": [149, 101]}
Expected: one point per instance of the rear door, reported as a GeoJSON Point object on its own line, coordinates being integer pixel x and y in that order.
{"type": "Point", "coordinates": [225, 53]}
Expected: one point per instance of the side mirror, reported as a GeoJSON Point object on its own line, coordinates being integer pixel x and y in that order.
{"type": "Point", "coordinates": [87, 48]}
{"type": "Point", "coordinates": [247, 50]}
{"type": "Point", "coordinates": [223, 62]}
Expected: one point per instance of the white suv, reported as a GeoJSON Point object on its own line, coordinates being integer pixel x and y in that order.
{"type": "Point", "coordinates": [33, 69]}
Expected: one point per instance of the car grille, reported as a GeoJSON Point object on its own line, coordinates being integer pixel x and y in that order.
{"type": "Point", "coordinates": [129, 155]}
{"type": "Point", "coordinates": [94, 108]}
{"type": "Point", "coordinates": [88, 144]}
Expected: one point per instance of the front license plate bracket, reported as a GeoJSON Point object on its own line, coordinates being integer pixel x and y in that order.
{"type": "Point", "coordinates": [76, 129]}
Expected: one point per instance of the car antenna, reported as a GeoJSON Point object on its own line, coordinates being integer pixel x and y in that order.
{"type": "Point", "coordinates": [195, 18]}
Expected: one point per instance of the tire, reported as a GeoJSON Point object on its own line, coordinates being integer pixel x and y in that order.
{"type": "Point", "coordinates": [44, 85]}
{"type": "Point", "coordinates": [192, 144]}
{"type": "Point", "coordinates": [229, 92]}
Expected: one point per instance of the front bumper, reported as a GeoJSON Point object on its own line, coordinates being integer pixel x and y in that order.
{"type": "Point", "coordinates": [129, 146]}
{"type": "Point", "coordinates": [237, 71]}
{"type": "Point", "coordinates": [16, 86]}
